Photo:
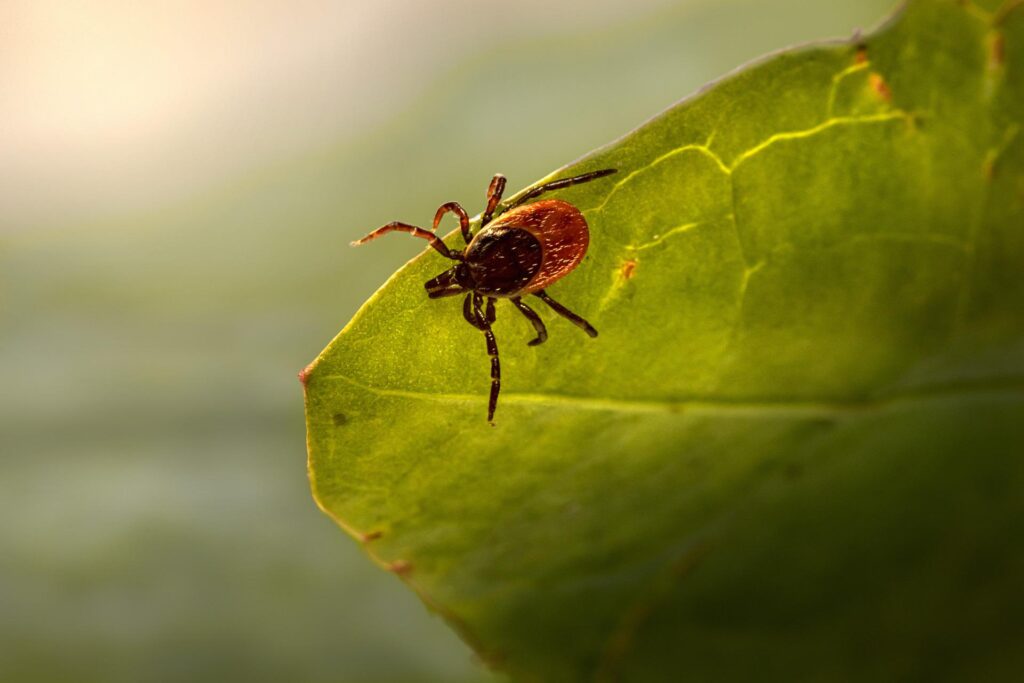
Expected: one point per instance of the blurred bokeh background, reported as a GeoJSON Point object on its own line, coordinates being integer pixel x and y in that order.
{"type": "Point", "coordinates": [179, 182]}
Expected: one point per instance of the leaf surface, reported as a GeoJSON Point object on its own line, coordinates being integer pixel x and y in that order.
{"type": "Point", "coordinates": [796, 448]}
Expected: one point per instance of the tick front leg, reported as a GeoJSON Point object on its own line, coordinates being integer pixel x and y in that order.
{"type": "Point", "coordinates": [492, 352]}
{"type": "Point", "coordinates": [538, 324]}
{"type": "Point", "coordinates": [469, 312]}
{"type": "Point", "coordinates": [489, 313]}
{"type": "Point", "coordinates": [494, 192]}
{"type": "Point", "coordinates": [566, 313]}
{"type": "Point", "coordinates": [413, 230]}
{"type": "Point", "coordinates": [457, 209]}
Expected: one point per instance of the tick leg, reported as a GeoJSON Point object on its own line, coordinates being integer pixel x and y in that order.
{"type": "Point", "coordinates": [434, 240]}
{"type": "Point", "coordinates": [457, 209]}
{"type": "Point", "coordinates": [469, 312]}
{"type": "Point", "coordinates": [559, 184]}
{"type": "Point", "coordinates": [490, 310]}
{"type": "Point", "coordinates": [492, 352]}
{"type": "Point", "coordinates": [494, 192]}
{"type": "Point", "coordinates": [538, 324]}
{"type": "Point", "coordinates": [566, 313]}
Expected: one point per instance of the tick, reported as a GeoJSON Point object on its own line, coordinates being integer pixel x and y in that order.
{"type": "Point", "coordinates": [519, 249]}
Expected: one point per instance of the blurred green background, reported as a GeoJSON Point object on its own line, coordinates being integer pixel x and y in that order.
{"type": "Point", "coordinates": [180, 185]}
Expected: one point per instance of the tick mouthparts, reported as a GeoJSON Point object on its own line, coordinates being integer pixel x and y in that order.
{"type": "Point", "coordinates": [445, 284]}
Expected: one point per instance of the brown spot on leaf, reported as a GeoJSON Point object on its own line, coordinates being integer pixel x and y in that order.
{"type": "Point", "coordinates": [996, 50]}
{"type": "Point", "coordinates": [340, 419]}
{"type": "Point", "coordinates": [628, 269]}
{"type": "Point", "coordinates": [862, 55]}
{"type": "Point", "coordinates": [371, 536]}
{"type": "Point", "coordinates": [880, 87]}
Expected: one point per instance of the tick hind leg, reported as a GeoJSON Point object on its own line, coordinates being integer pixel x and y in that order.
{"type": "Point", "coordinates": [566, 313]}
{"type": "Point", "coordinates": [538, 324]}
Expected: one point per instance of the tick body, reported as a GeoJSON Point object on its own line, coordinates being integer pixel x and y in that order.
{"type": "Point", "coordinates": [519, 250]}
{"type": "Point", "coordinates": [527, 249]}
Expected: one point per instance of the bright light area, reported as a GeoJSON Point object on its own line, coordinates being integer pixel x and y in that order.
{"type": "Point", "coordinates": [111, 105]}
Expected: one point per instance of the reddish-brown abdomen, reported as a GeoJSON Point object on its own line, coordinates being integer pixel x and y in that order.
{"type": "Point", "coordinates": [562, 232]}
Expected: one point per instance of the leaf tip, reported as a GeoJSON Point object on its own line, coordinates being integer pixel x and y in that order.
{"type": "Point", "coordinates": [304, 374]}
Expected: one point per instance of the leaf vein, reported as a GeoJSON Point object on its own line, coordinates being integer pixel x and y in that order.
{"type": "Point", "coordinates": [821, 127]}
{"type": "Point", "coordinates": [837, 80]}
{"type": "Point", "coordinates": [658, 239]}
{"type": "Point", "coordinates": [699, 148]}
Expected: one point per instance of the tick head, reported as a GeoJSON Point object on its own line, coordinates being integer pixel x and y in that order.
{"type": "Point", "coordinates": [451, 282]}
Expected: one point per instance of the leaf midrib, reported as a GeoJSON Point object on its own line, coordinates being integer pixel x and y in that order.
{"type": "Point", "coordinates": [750, 408]}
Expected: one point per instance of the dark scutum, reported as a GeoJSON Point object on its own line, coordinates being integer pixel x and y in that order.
{"type": "Point", "coordinates": [502, 260]}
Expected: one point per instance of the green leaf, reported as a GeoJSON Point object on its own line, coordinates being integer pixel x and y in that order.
{"type": "Point", "coordinates": [796, 449]}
